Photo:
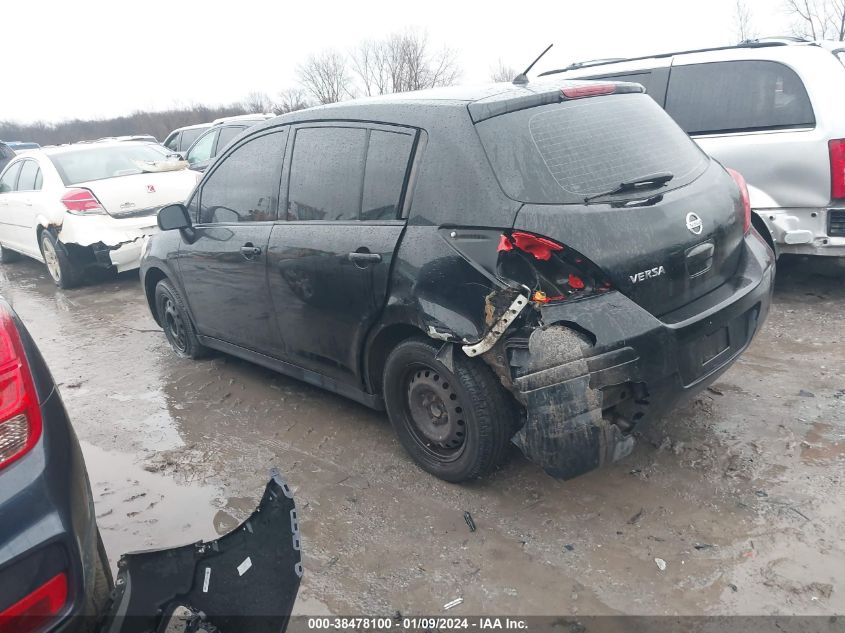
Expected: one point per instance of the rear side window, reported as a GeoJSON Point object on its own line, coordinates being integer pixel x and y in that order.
{"type": "Point", "coordinates": [327, 173]}
{"type": "Point", "coordinates": [561, 153]}
{"type": "Point", "coordinates": [226, 136]}
{"type": "Point", "coordinates": [738, 96]}
{"type": "Point", "coordinates": [7, 182]}
{"type": "Point", "coordinates": [388, 154]}
{"type": "Point", "coordinates": [244, 187]}
{"type": "Point", "coordinates": [29, 176]}
{"type": "Point", "coordinates": [188, 138]}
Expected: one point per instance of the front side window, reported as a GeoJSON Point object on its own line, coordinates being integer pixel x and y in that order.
{"type": "Point", "coordinates": [738, 96]}
{"type": "Point", "coordinates": [7, 182]}
{"type": "Point", "coordinates": [326, 174]}
{"type": "Point", "coordinates": [29, 176]}
{"type": "Point", "coordinates": [201, 151]}
{"type": "Point", "coordinates": [172, 142]}
{"type": "Point", "coordinates": [244, 187]}
{"type": "Point", "coordinates": [388, 154]}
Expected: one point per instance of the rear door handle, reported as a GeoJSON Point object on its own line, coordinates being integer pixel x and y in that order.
{"type": "Point", "coordinates": [364, 258]}
{"type": "Point", "coordinates": [249, 251]}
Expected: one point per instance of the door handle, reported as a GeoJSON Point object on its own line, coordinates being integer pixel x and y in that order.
{"type": "Point", "coordinates": [249, 251]}
{"type": "Point", "coordinates": [364, 259]}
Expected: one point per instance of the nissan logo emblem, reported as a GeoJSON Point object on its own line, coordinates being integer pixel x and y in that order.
{"type": "Point", "coordinates": [694, 223]}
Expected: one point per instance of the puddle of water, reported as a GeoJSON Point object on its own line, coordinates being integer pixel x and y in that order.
{"type": "Point", "coordinates": [819, 444]}
{"type": "Point", "coordinates": [137, 509]}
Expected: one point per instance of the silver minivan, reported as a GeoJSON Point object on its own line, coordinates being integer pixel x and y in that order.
{"type": "Point", "coordinates": [772, 110]}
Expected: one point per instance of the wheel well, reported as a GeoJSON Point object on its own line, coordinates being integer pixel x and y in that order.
{"type": "Point", "coordinates": [762, 228]}
{"type": "Point", "coordinates": [151, 279]}
{"type": "Point", "coordinates": [380, 348]}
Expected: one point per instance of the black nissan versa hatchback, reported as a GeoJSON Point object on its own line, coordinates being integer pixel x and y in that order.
{"type": "Point", "coordinates": [549, 264]}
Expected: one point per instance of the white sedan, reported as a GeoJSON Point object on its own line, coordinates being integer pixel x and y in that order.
{"type": "Point", "coordinates": [87, 204]}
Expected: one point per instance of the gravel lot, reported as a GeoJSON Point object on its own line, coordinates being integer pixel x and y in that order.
{"type": "Point", "coordinates": [741, 493]}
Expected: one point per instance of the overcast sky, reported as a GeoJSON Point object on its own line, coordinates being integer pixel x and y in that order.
{"type": "Point", "coordinates": [93, 59]}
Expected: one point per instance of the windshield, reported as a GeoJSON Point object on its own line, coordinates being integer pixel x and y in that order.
{"type": "Point", "coordinates": [99, 163]}
{"type": "Point", "coordinates": [562, 153]}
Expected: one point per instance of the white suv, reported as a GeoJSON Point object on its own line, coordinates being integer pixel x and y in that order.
{"type": "Point", "coordinates": [772, 110]}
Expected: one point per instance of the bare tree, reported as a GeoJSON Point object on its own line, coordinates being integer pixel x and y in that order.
{"type": "Point", "coordinates": [258, 102]}
{"type": "Point", "coordinates": [502, 72]}
{"type": "Point", "coordinates": [326, 77]}
{"type": "Point", "coordinates": [818, 19]}
{"type": "Point", "coordinates": [401, 62]}
{"type": "Point", "coordinates": [742, 22]}
{"type": "Point", "coordinates": [291, 100]}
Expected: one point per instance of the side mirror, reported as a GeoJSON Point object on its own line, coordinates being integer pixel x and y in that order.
{"type": "Point", "coordinates": [174, 216]}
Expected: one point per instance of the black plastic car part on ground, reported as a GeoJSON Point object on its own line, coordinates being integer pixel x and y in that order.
{"type": "Point", "coordinates": [54, 574]}
{"type": "Point", "coordinates": [246, 580]}
{"type": "Point", "coordinates": [551, 263]}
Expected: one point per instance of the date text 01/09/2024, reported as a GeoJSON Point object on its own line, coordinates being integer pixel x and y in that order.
{"type": "Point", "coordinates": [421, 623]}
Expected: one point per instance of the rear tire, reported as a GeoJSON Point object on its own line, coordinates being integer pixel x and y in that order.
{"type": "Point", "coordinates": [177, 324]}
{"type": "Point", "coordinates": [62, 269]}
{"type": "Point", "coordinates": [456, 425]}
{"type": "Point", "coordinates": [7, 256]}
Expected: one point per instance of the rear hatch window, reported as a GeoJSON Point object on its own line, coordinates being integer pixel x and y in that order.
{"type": "Point", "coordinates": [99, 163]}
{"type": "Point", "coordinates": [564, 152]}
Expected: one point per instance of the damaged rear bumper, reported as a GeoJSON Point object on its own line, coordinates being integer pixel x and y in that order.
{"type": "Point", "coordinates": [598, 367]}
{"type": "Point", "coordinates": [113, 241]}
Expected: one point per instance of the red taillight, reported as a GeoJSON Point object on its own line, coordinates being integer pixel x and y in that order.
{"type": "Point", "coordinates": [540, 247]}
{"type": "Point", "coordinates": [837, 168]}
{"type": "Point", "coordinates": [20, 415]}
{"type": "Point", "coordinates": [746, 199]}
{"type": "Point", "coordinates": [587, 90]}
{"type": "Point", "coordinates": [33, 611]}
{"type": "Point", "coordinates": [551, 271]}
{"type": "Point", "coordinates": [81, 201]}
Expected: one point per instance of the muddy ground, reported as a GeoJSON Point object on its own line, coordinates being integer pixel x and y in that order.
{"type": "Point", "coordinates": [741, 493]}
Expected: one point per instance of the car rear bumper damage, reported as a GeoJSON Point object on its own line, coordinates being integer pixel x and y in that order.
{"type": "Point", "coordinates": [589, 371]}
{"type": "Point", "coordinates": [107, 241]}
{"type": "Point", "coordinates": [246, 580]}
{"type": "Point", "coordinates": [806, 231]}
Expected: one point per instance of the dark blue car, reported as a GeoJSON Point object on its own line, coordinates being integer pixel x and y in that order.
{"type": "Point", "coordinates": [53, 567]}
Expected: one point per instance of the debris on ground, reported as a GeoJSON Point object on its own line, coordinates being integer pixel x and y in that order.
{"type": "Point", "coordinates": [453, 603]}
{"type": "Point", "coordinates": [701, 546]}
{"type": "Point", "coordinates": [761, 493]}
{"type": "Point", "coordinates": [636, 517]}
{"type": "Point", "coordinates": [569, 547]}
{"type": "Point", "coordinates": [661, 564]}
{"type": "Point", "coordinates": [469, 521]}
{"type": "Point", "coordinates": [716, 391]}
{"type": "Point", "coordinates": [806, 394]}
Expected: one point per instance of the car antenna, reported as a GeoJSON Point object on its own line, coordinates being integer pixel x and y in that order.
{"type": "Point", "coordinates": [522, 78]}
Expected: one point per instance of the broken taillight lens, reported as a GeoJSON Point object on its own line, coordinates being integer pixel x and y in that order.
{"type": "Point", "coordinates": [744, 197]}
{"type": "Point", "coordinates": [551, 270]}
{"type": "Point", "coordinates": [81, 201]}
{"type": "Point", "coordinates": [20, 415]}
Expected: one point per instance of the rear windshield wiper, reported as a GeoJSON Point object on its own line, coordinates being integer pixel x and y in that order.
{"type": "Point", "coordinates": [646, 182]}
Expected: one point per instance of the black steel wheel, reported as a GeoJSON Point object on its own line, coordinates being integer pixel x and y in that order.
{"type": "Point", "coordinates": [455, 424]}
{"type": "Point", "coordinates": [176, 322]}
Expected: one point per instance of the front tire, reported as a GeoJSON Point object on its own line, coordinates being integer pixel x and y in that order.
{"type": "Point", "coordinates": [177, 324]}
{"type": "Point", "coordinates": [7, 256]}
{"type": "Point", "coordinates": [64, 272]}
{"type": "Point", "coordinates": [456, 425]}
